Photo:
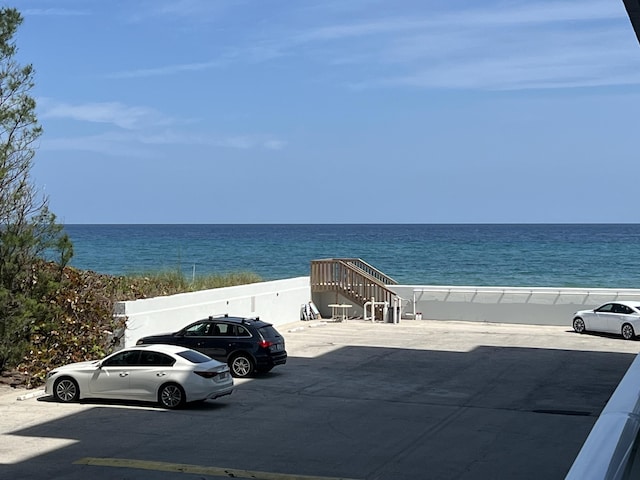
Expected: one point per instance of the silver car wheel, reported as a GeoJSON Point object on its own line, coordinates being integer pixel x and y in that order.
{"type": "Point", "coordinates": [578, 325]}
{"type": "Point", "coordinates": [66, 390]}
{"type": "Point", "coordinates": [171, 396]}
{"type": "Point", "coordinates": [241, 366]}
{"type": "Point", "coordinates": [627, 332]}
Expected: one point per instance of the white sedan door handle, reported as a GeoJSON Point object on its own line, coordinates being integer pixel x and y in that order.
{"type": "Point", "coordinates": [160, 374]}
{"type": "Point", "coordinates": [124, 374]}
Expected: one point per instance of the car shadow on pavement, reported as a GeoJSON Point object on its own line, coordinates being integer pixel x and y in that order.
{"type": "Point", "coordinates": [100, 402]}
{"type": "Point", "coordinates": [613, 336]}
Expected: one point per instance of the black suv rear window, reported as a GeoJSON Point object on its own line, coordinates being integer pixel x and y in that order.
{"type": "Point", "coordinates": [194, 357]}
{"type": "Point", "coordinates": [269, 332]}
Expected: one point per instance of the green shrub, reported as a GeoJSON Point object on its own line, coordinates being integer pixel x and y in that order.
{"type": "Point", "coordinates": [69, 317]}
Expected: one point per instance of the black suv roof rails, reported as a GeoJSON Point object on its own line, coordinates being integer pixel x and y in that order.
{"type": "Point", "coordinates": [248, 320]}
{"type": "Point", "coordinates": [245, 320]}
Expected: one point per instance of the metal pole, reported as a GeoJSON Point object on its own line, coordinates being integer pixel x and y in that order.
{"type": "Point", "coordinates": [373, 309]}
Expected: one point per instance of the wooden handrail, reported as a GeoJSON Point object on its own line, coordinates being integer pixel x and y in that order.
{"type": "Point", "coordinates": [353, 278]}
{"type": "Point", "coordinates": [372, 271]}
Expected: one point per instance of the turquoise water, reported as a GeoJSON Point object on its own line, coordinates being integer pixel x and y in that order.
{"type": "Point", "coordinates": [492, 255]}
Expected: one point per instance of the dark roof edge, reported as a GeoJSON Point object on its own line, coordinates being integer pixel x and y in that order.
{"type": "Point", "coordinates": [633, 10]}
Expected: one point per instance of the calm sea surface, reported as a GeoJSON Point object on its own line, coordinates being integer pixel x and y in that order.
{"type": "Point", "coordinates": [492, 255]}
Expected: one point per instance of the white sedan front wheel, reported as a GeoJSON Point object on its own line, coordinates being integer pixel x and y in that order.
{"type": "Point", "coordinates": [66, 390]}
{"type": "Point", "coordinates": [578, 325]}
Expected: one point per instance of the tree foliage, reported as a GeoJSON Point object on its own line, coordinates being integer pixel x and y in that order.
{"type": "Point", "coordinates": [50, 313]}
{"type": "Point", "coordinates": [28, 230]}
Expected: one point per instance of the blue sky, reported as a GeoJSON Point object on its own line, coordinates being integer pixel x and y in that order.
{"type": "Point", "coordinates": [334, 111]}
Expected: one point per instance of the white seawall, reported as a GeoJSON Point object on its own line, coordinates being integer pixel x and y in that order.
{"type": "Point", "coordinates": [526, 305]}
{"type": "Point", "coordinates": [276, 302]}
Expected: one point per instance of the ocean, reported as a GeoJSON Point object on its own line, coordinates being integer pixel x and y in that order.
{"type": "Point", "coordinates": [554, 255]}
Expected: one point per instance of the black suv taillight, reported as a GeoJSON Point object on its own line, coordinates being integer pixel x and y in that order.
{"type": "Point", "coordinates": [265, 343]}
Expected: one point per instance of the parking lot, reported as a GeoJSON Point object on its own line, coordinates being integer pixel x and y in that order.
{"type": "Point", "coordinates": [356, 400]}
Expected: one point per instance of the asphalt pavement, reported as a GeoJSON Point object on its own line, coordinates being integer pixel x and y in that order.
{"type": "Point", "coordinates": [356, 400]}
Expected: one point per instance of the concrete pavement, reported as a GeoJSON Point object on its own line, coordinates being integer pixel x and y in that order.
{"type": "Point", "coordinates": [421, 399]}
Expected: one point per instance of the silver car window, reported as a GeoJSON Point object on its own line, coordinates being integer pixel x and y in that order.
{"type": "Point", "coordinates": [156, 359]}
{"type": "Point", "coordinates": [128, 358]}
{"type": "Point", "coordinates": [607, 308]}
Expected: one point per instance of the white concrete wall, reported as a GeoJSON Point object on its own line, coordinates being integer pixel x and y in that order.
{"type": "Point", "coordinates": [276, 302]}
{"type": "Point", "coordinates": [279, 302]}
{"type": "Point", "coordinates": [535, 306]}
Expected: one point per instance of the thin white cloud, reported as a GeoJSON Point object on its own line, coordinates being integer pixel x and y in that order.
{"type": "Point", "coordinates": [508, 59]}
{"type": "Point", "coordinates": [243, 142]}
{"type": "Point", "coordinates": [53, 12]}
{"type": "Point", "coordinates": [506, 45]}
{"type": "Point", "coordinates": [149, 145]}
{"type": "Point", "coordinates": [144, 147]}
{"type": "Point", "coordinates": [246, 142]}
{"type": "Point", "coordinates": [546, 13]}
{"type": "Point", "coordinates": [117, 144]}
{"type": "Point", "coordinates": [192, 11]}
{"type": "Point", "coordinates": [274, 144]}
{"type": "Point", "coordinates": [166, 70]}
{"type": "Point", "coordinates": [141, 130]}
{"type": "Point", "coordinates": [542, 45]}
{"type": "Point", "coordinates": [513, 74]}
{"type": "Point", "coordinates": [188, 8]}
{"type": "Point", "coordinates": [256, 53]}
{"type": "Point", "coordinates": [115, 113]}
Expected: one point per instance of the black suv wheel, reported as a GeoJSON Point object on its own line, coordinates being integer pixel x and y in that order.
{"type": "Point", "coordinates": [241, 365]}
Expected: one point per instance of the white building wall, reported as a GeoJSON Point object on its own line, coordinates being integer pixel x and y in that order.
{"type": "Point", "coordinates": [276, 302]}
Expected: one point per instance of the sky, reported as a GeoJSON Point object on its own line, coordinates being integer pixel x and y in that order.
{"type": "Point", "coordinates": [335, 111]}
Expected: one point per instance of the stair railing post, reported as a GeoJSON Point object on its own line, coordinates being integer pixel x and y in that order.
{"type": "Point", "coordinates": [373, 309]}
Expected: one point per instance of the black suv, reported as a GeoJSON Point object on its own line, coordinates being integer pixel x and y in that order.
{"type": "Point", "coordinates": [245, 344]}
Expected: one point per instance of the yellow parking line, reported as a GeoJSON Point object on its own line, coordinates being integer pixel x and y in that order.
{"type": "Point", "coordinates": [196, 469]}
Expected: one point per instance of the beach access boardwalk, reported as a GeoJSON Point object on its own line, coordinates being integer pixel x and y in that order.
{"type": "Point", "coordinates": [356, 400]}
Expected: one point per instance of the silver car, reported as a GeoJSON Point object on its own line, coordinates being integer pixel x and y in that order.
{"type": "Point", "coordinates": [621, 317]}
{"type": "Point", "coordinates": [166, 374]}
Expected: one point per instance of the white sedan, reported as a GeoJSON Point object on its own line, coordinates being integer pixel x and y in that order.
{"type": "Point", "coordinates": [621, 317]}
{"type": "Point", "coordinates": [166, 374]}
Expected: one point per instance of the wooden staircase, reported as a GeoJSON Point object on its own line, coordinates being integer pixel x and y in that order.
{"type": "Point", "coordinates": [354, 279]}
